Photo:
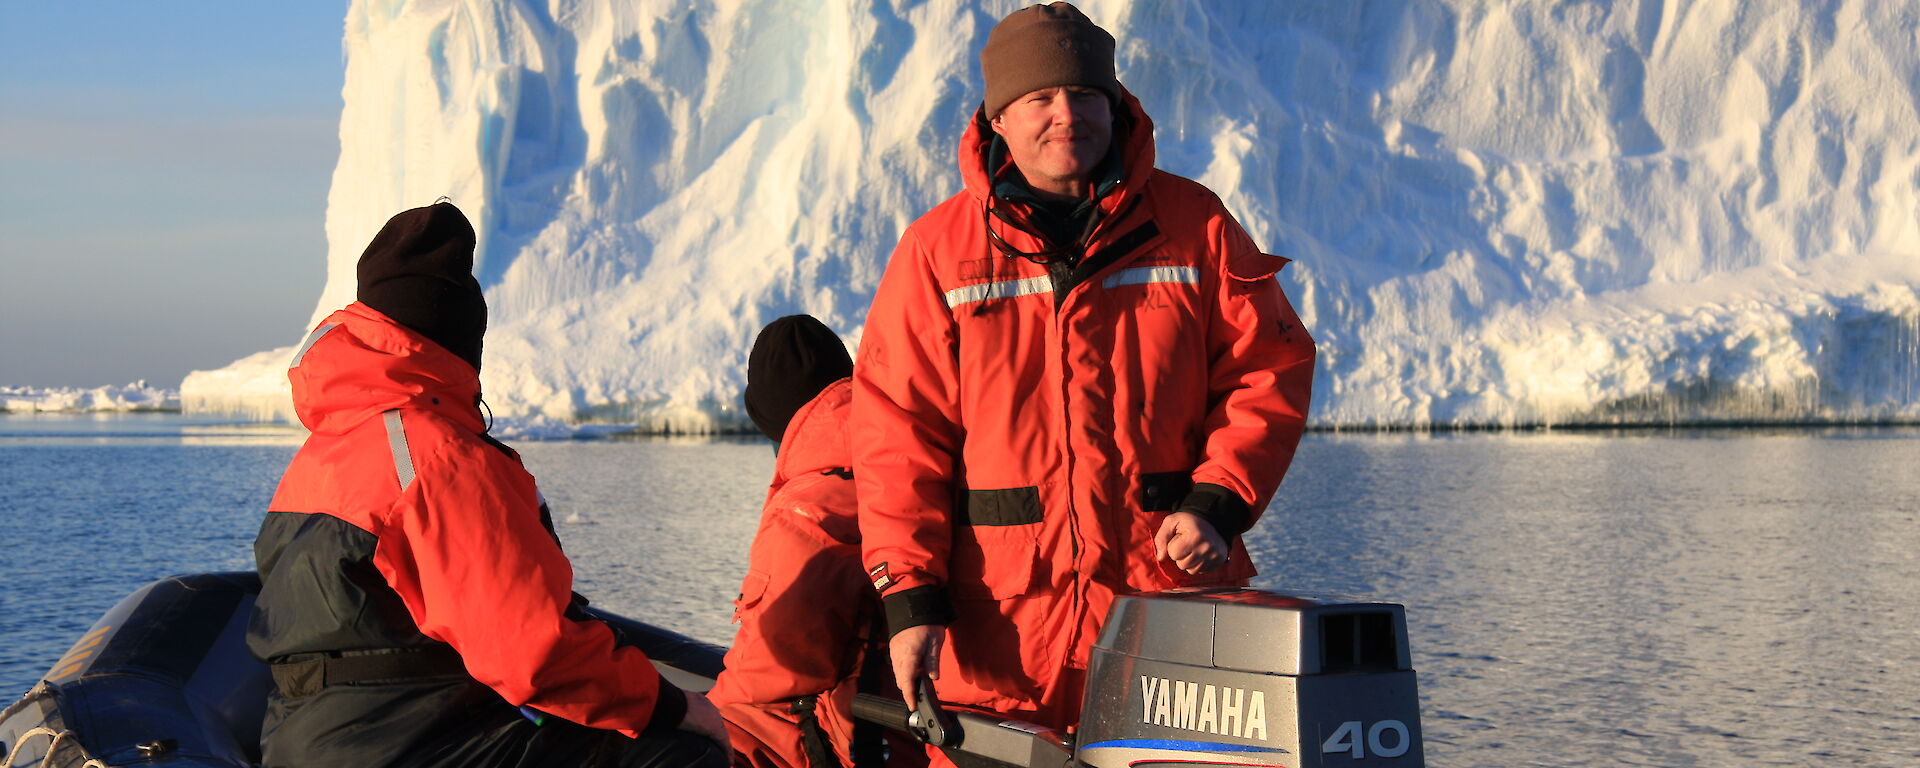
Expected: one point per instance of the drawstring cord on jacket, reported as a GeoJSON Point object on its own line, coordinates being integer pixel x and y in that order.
{"type": "Point", "coordinates": [1045, 255]}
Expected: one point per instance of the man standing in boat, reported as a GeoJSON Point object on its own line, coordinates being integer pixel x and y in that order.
{"type": "Point", "coordinates": [1079, 379]}
{"type": "Point", "coordinates": [415, 606]}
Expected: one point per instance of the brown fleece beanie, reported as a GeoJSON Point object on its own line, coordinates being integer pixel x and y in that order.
{"type": "Point", "coordinates": [1043, 46]}
{"type": "Point", "coordinates": [419, 271]}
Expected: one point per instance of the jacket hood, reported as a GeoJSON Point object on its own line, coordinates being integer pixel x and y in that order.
{"type": "Point", "coordinates": [816, 439]}
{"type": "Point", "coordinates": [1131, 128]}
{"type": "Point", "coordinates": [359, 363]}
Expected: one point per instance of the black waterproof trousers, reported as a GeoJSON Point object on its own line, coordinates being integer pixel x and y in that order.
{"type": "Point", "coordinates": [492, 734]}
{"type": "Point", "coordinates": [321, 592]}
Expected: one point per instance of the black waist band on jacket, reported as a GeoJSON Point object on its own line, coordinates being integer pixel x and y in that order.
{"type": "Point", "coordinates": [307, 673]}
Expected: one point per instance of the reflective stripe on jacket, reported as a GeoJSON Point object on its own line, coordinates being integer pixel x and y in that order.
{"type": "Point", "coordinates": [804, 605]}
{"type": "Point", "coordinates": [398, 457]}
{"type": "Point", "coordinates": [1019, 448]}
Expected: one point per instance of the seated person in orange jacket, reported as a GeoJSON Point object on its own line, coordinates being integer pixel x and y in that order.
{"type": "Point", "coordinates": [415, 605]}
{"type": "Point", "coordinates": [805, 606]}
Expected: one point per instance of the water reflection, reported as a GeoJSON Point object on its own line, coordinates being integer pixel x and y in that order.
{"type": "Point", "coordinates": [1708, 598]}
{"type": "Point", "coordinates": [1675, 598]}
{"type": "Point", "coordinates": [150, 428]}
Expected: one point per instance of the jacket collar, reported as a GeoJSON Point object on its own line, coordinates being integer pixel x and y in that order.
{"type": "Point", "coordinates": [816, 438]}
{"type": "Point", "coordinates": [358, 363]}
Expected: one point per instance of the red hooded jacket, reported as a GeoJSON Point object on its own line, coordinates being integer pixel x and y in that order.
{"type": "Point", "coordinates": [804, 606]}
{"type": "Point", "coordinates": [455, 529]}
{"type": "Point", "coordinates": [1017, 444]}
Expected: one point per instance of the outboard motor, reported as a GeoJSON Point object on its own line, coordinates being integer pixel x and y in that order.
{"type": "Point", "coordinates": [1247, 677]}
{"type": "Point", "coordinates": [1210, 678]}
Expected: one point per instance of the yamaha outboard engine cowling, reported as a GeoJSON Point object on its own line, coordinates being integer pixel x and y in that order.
{"type": "Point", "coordinates": [1246, 677]}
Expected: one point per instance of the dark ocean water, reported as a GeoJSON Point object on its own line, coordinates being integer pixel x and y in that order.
{"type": "Point", "coordinates": [1655, 598]}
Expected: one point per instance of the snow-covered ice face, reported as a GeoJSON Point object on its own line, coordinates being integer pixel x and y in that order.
{"type": "Point", "coordinates": [1057, 135]}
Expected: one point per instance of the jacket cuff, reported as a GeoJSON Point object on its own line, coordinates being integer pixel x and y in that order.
{"type": "Point", "coordinates": [669, 707]}
{"type": "Point", "coordinates": [916, 607]}
{"type": "Point", "coordinates": [1219, 506]}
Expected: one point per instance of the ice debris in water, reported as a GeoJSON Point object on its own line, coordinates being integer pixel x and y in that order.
{"type": "Point", "coordinates": [135, 396]}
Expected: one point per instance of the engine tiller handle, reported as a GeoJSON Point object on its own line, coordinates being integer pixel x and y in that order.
{"type": "Point", "coordinates": [930, 722]}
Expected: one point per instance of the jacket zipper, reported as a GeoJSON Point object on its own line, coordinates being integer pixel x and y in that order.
{"type": "Point", "coordinates": [1066, 419]}
{"type": "Point", "coordinates": [1073, 509]}
{"type": "Point", "coordinates": [1066, 438]}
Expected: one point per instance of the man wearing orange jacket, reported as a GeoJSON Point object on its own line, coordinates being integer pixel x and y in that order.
{"type": "Point", "coordinates": [415, 607]}
{"type": "Point", "coordinates": [1078, 380]}
{"type": "Point", "coordinates": [804, 609]}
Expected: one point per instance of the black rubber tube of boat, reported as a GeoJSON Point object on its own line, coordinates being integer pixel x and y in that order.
{"type": "Point", "coordinates": [881, 710]}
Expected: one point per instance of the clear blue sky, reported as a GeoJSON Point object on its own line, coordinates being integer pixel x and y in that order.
{"type": "Point", "coordinates": [164, 167]}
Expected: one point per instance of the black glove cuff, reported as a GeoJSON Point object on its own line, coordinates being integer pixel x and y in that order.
{"type": "Point", "coordinates": [1219, 506]}
{"type": "Point", "coordinates": [669, 706]}
{"type": "Point", "coordinates": [916, 607]}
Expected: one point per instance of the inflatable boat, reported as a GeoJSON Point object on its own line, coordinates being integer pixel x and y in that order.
{"type": "Point", "coordinates": [1204, 678]}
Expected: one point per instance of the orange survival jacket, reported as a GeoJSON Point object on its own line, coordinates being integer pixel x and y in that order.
{"type": "Point", "coordinates": [397, 451]}
{"type": "Point", "coordinates": [1016, 448]}
{"type": "Point", "coordinates": [804, 606]}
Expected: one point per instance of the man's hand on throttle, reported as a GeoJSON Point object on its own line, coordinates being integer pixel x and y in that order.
{"type": "Point", "coordinates": [916, 651]}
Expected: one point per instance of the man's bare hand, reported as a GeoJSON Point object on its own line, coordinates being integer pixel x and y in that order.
{"type": "Point", "coordinates": [704, 718]}
{"type": "Point", "coordinates": [1190, 542]}
{"type": "Point", "coordinates": [916, 651]}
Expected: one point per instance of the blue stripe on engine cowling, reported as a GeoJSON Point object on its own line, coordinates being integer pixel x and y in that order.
{"type": "Point", "coordinates": [1183, 746]}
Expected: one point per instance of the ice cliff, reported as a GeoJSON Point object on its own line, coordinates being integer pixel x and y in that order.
{"type": "Point", "coordinates": [1501, 212]}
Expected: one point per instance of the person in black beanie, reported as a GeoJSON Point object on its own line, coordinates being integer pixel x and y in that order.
{"type": "Point", "coordinates": [805, 604]}
{"type": "Point", "coordinates": [794, 358]}
{"type": "Point", "coordinates": [415, 606]}
{"type": "Point", "coordinates": [419, 271]}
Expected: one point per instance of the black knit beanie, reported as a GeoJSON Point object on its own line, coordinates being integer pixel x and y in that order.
{"type": "Point", "coordinates": [419, 271]}
{"type": "Point", "coordinates": [1043, 46]}
{"type": "Point", "coordinates": [793, 360]}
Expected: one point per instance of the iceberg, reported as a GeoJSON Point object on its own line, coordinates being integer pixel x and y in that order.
{"type": "Point", "coordinates": [1500, 213]}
